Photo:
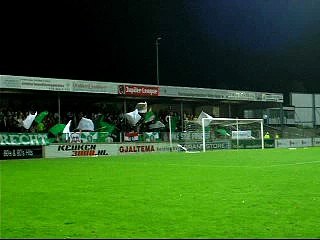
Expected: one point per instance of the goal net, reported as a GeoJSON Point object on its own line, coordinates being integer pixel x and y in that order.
{"type": "Point", "coordinates": [237, 133]}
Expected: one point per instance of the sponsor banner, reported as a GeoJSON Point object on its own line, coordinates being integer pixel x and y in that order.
{"type": "Point", "coordinates": [127, 148]}
{"type": "Point", "coordinates": [316, 141]}
{"type": "Point", "coordinates": [68, 85]}
{"type": "Point", "coordinates": [134, 90]}
{"type": "Point", "coordinates": [137, 148]}
{"type": "Point", "coordinates": [170, 91]}
{"type": "Point", "coordinates": [186, 136]}
{"type": "Point", "coordinates": [223, 144]}
{"type": "Point", "coordinates": [54, 84]}
{"type": "Point", "coordinates": [94, 87]}
{"type": "Point", "coordinates": [292, 143]}
{"type": "Point", "coordinates": [20, 152]}
{"type": "Point", "coordinates": [34, 83]}
{"type": "Point", "coordinates": [79, 150]}
{"type": "Point", "coordinates": [85, 150]}
{"type": "Point", "coordinates": [272, 97]}
{"type": "Point", "coordinates": [241, 134]}
{"type": "Point", "coordinates": [16, 139]}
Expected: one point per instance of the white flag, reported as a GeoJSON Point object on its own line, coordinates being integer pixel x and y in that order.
{"type": "Point", "coordinates": [133, 117]}
{"type": "Point", "coordinates": [66, 130]}
{"type": "Point", "coordinates": [29, 120]}
{"type": "Point", "coordinates": [67, 127]}
{"type": "Point", "coordinates": [204, 115]}
{"type": "Point", "coordinates": [142, 107]}
{"type": "Point", "coordinates": [86, 124]}
{"type": "Point", "coordinates": [157, 124]}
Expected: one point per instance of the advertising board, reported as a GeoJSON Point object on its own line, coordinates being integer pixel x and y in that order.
{"type": "Point", "coordinates": [316, 142]}
{"type": "Point", "coordinates": [113, 149]}
{"type": "Point", "coordinates": [20, 152]}
{"type": "Point", "coordinates": [241, 134]}
{"type": "Point", "coordinates": [135, 90]}
{"type": "Point", "coordinates": [292, 143]}
{"type": "Point", "coordinates": [92, 149]}
{"type": "Point", "coordinates": [215, 145]}
{"type": "Point", "coordinates": [17, 139]}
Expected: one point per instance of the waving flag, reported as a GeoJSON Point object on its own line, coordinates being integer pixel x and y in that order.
{"type": "Point", "coordinates": [57, 129]}
{"type": "Point", "coordinates": [105, 127]}
{"type": "Point", "coordinates": [29, 120]}
{"type": "Point", "coordinates": [133, 117]}
{"type": "Point", "coordinates": [201, 116]}
{"type": "Point", "coordinates": [86, 124]}
{"type": "Point", "coordinates": [222, 132]}
{"type": "Point", "coordinates": [67, 127]}
{"type": "Point", "coordinates": [142, 107]}
{"type": "Point", "coordinates": [66, 130]}
{"type": "Point", "coordinates": [39, 118]}
{"type": "Point", "coordinates": [156, 125]}
{"type": "Point", "coordinates": [149, 116]}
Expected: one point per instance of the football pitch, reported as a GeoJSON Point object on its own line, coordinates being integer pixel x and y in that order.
{"type": "Point", "coordinates": [271, 193]}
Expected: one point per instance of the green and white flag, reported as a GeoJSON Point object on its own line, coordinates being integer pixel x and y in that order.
{"type": "Point", "coordinates": [150, 116]}
{"type": "Point", "coordinates": [222, 132]}
{"type": "Point", "coordinates": [157, 125]}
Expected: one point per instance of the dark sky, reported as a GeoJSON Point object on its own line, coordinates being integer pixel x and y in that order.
{"type": "Point", "coordinates": [262, 45]}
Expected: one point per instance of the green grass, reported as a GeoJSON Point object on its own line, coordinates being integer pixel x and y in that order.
{"type": "Point", "coordinates": [271, 193]}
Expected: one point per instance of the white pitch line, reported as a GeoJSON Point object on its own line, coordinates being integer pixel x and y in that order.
{"type": "Point", "coordinates": [237, 166]}
{"type": "Point", "coordinates": [291, 164]}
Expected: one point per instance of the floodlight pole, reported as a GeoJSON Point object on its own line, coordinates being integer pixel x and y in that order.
{"type": "Point", "coordinates": [157, 49]}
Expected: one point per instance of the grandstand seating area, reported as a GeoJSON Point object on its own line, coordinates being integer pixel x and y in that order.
{"type": "Point", "coordinates": [11, 121]}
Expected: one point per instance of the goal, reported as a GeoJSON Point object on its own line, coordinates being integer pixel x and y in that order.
{"type": "Point", "coordinates": [241, 133]}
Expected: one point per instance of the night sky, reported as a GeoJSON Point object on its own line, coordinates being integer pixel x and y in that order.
{"type": "Point", "coordinates": [259, 45]}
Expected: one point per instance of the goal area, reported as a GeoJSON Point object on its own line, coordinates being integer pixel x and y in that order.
{"type": "Point", "coordinates": [241, 133]}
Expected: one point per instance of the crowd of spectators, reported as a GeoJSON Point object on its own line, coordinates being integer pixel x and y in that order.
{"type": "Point", "coordinates": [11, 120]}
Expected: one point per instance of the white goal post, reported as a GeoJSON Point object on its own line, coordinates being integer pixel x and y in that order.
{"type": "Point", "coordinates": [235, 123]}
